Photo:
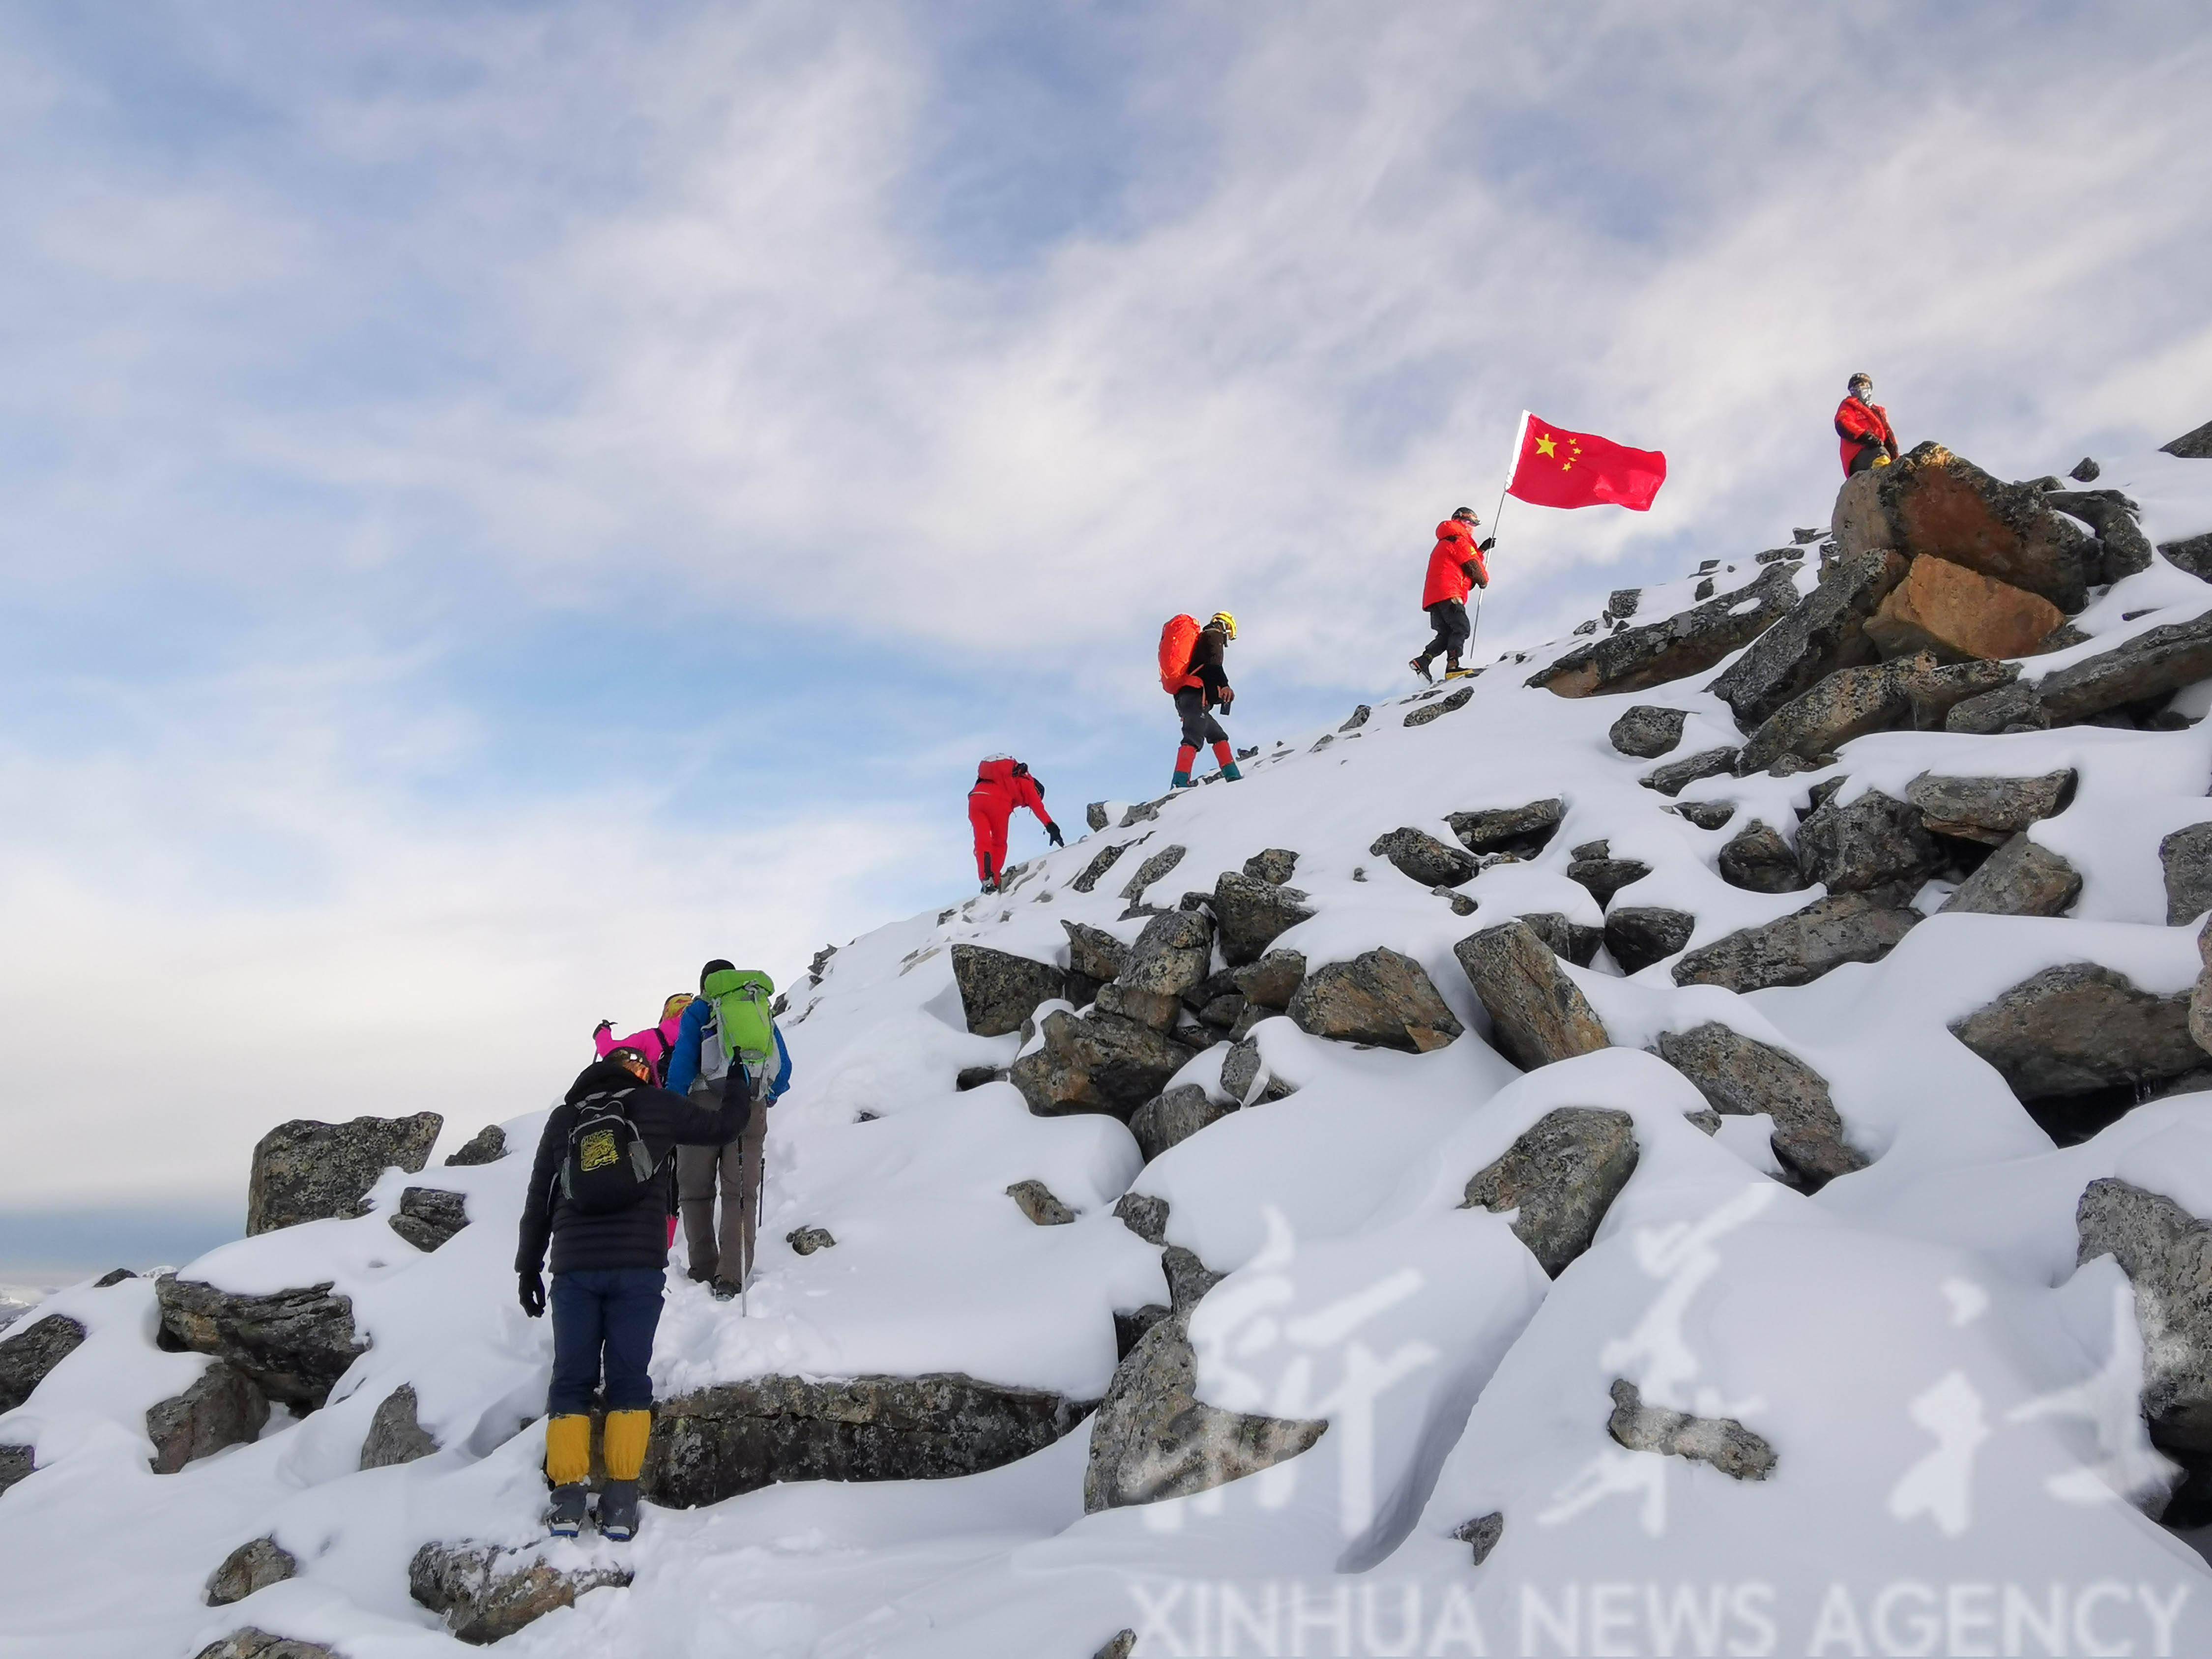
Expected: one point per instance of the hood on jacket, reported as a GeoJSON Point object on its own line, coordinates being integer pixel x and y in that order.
{"type": "Point", "coordinates": [600, 1077]}
{"type": "Point", "coordinates": [999, 769]}
{"type": "Point", "coordinates": [1455, 529]}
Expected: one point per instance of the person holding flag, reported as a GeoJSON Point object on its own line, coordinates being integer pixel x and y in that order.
{"type": "Point", "coordinates": [1455, 568]}
{"type": "Point", "coordinates": [1552, 467]}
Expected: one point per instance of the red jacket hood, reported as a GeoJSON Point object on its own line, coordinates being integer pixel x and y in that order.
{"type": "Point", "coordinates": [1454, 530]}
{"type": "Point", "coordinates": [1000, 771]}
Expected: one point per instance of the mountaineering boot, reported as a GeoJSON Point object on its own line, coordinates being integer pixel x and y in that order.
{"type": "Point", "coordinates": [618, 1511]}
{"type": "Point", "coordinates": [724, 1289]}
{"type": "Point", "coordinates": [627, 1433]}
{"type": "Point", "coordinates": [1181, 780]}
{"type": "Point", "coordinates": [567, 1466]}
{"type": "Point", "coordinates": [1420, 666]}
{"type": "Point", "coordinates": [566, 1518]}
{"type": "Point", "coordinates": [1459, 674]}
{"type": "Point", "coordinates": [1226, 758]}
{"type": "Point", "coordinates": [990, 886]}
{"type": "Point", "coordinates": [1231, 773]}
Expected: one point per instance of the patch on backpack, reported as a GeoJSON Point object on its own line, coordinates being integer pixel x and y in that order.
{"type": "Point", "coordinates": [597, 1150]}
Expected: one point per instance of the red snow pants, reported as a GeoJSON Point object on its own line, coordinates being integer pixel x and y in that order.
{"type": "Point", "coordinates": [988, 812]}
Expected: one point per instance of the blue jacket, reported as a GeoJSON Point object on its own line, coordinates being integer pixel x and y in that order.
{"type": "Point", "coordinates": [684, 1058]}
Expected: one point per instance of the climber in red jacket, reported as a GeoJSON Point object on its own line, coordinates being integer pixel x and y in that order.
{"type": "Point", "coordinates": [1002, 783]}
{"type": "Point", "coordinates": [1455, 569]}
{"type": "Point", "coordinates": [1862, 427]}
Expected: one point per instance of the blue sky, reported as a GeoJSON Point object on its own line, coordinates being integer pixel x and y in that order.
{"type": "Point", "coordinates": [505, 501]}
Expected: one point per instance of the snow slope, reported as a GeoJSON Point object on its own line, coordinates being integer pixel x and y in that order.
{"type": "Point", "coordinates": [1952, 1401]}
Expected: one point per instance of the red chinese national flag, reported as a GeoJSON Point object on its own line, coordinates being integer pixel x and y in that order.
{"type": "Point", "coordinates": [1554, 467]}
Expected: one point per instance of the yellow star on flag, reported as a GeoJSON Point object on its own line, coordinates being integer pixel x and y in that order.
{"type": "Point", "coordinates": [1545, 446]}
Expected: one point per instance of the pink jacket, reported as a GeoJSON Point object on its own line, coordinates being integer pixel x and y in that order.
{"type": "Point", "coordinates": [654, 1042]}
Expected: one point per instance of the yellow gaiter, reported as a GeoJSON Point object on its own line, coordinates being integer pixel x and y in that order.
{"type": "Point", "coordinates": [626, 1435]}
{"type": "Point", "coordinates": [568, 1448]}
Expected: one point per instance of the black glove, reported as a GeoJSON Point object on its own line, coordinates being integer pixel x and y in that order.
{"type": "Point", "coordinates": [1485, 546]}
{"type": "Point", "coordinates": [533, 1294]}
{"type": "Point", "coordinates": [1052, 833]}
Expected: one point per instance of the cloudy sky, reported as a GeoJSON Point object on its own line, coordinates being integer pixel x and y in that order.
{"type": "Point", "coordinates": [503, 501]}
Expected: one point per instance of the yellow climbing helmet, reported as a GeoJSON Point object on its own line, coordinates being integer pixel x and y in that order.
{"type": "Point", "coordinates": [1226, 622]}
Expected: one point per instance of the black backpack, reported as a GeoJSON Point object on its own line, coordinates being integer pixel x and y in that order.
{"type": "Point", "coordinates": [608, 1168]}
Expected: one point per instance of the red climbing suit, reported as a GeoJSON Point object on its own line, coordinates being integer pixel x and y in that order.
{"type": "Point", "coordinates": [1447, 577]}
{"type": "Point", "coordinates": [1860, 426]}
{"type": "Point", "coordinates": [1001, 785]}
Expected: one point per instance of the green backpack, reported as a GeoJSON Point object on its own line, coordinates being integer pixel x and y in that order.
{"type": "Point", "coordinates": [742, 1028]}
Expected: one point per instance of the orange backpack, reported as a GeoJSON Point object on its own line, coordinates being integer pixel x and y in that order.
{"type": "Point", "coordinates": [1178, 640]}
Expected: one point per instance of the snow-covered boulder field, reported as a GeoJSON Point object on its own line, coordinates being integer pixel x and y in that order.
{"type": "Point", "coordinates": [1696, 1140]}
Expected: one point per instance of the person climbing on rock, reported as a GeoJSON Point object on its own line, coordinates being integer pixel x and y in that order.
{"type": "Point", "coordinates": [653, 1042]}
{"type": "Point", "coordinates": [1191, 673]}
{"type": "Point", "coordinates": [729, 1021]}
{"type": "Point", "coordinates": [1455, 569]}
{"type": "Point", "coordinates": [1002, 783]}
{"type": "Point", "coordinates": [599, 1194]}
{"type": "Point", "coordinates": [1862, 426]}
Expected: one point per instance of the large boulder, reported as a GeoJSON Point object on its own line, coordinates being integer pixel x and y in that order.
{"type": "Point", "coordinates": [1379, 997]}
{"type": "Point", "coordinates": [2124, 549]}
{"type": "Point", "coordinates": [253, 1565]}
{"type": "Point", "coordinates": [1687, 642]}
{"type": "Point", "coordinates": [1759, 859]}
{"type": "Point", "coordinates": [1824, 631]}
{"type": "Point", "coordinates": [1272, 980]}
{"type": "Point", "coordinates": [253, 1643]}
{"type": "Point", "coordinates": [2080, 1028]}
{"type": "Point", "coordinates": [1151, 870]}
{"type": "Point", "coordinates": [1596, 869]}
{"type": "Point", "coordinates": [1740, 1075]}
{"type": "Point", "coordinates": [31, 1351]}
{"type": "Point", "coordinates": [486, 1593]}
{"type": "Point", "coordinates": [1172, 954]}
{"type": "Point", "coordinates": [487, 1145]}
{"type": "Point", "coordinates": [1989, 810]}
{"type": "Point", "coordinates": [1520, 832]}
{"type": "Point", "coordinates": [293, 1344]}
{"type": "Point", "coordinates": [1561, 1175]}
{"type": "Point", "coordinates": [733, 1437]}
{"type": "Point", "coordinates": [222, 1408]}
{"type": "Point", "coordinates": [1798, 948]}
{"type": "Point", "coordinates": [305, 1170]}
{"type": "Point", "coordinates": [1093, 952]}
{"type": "Point", "coordinates": [1647, 731]}
{"type": "Point", "coordinates": [1101, 861]}
{"type": "Point", "coordinates": [1104, 1063]}
{"type": "Point", "coordinates": [2166, 1254]}
{"type": "Point", "coordinates": [1170, 1119]}
{"type": "Point", "coordinates": [1537, 1013]}
{"type": "Point", "coordinates": [1154, 1438]}
{"type": "Point", "coordinates": [427, 1216]}
{"type": "Point", "coordinates": [1639, 935]}
{"type": "Point", "coordinates": [2018, 879]}
{"type": "Point", "coordinates": [1933, 502]}
{"type": "Point", "coordinates": [1675, 776]}
{"type": "Point", "coordinates": [1421, 857]}
{"type": "Point", "coordinates": [396, 1434]}
{"type": "Point", "coordinates": [1570, 941]}
{"type": "Point", "coordinates": [2153, 664]}
{"type": "Point", "coordinates": [1278, 864]}
{"type": "Point", "coordinates": [1251, 911]}
{"type": "Point", "coordinates": [1434, 711]}
{"type": "Point", "coordinates": [1915, 692]}
{"type": "Point", "coordinates": [1722, 1442]}
{"type": "Point", "coordinates": [1875, 839]}
{"type": "Point", "coordinates": [2192, 445]}
{"type": "Point", "coordinates": [2186, 857]}
{"type": "Point", "coordinates": [999, 990]}
{"type": "Point", "coordinates": [1958, 615]}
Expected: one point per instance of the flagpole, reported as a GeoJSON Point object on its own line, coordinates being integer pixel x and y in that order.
{"type": "Point", "coordinates": [1520, 432]}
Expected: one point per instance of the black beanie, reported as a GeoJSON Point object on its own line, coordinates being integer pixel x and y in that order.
{"type": "Point", "coordinates": [714, 967]}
